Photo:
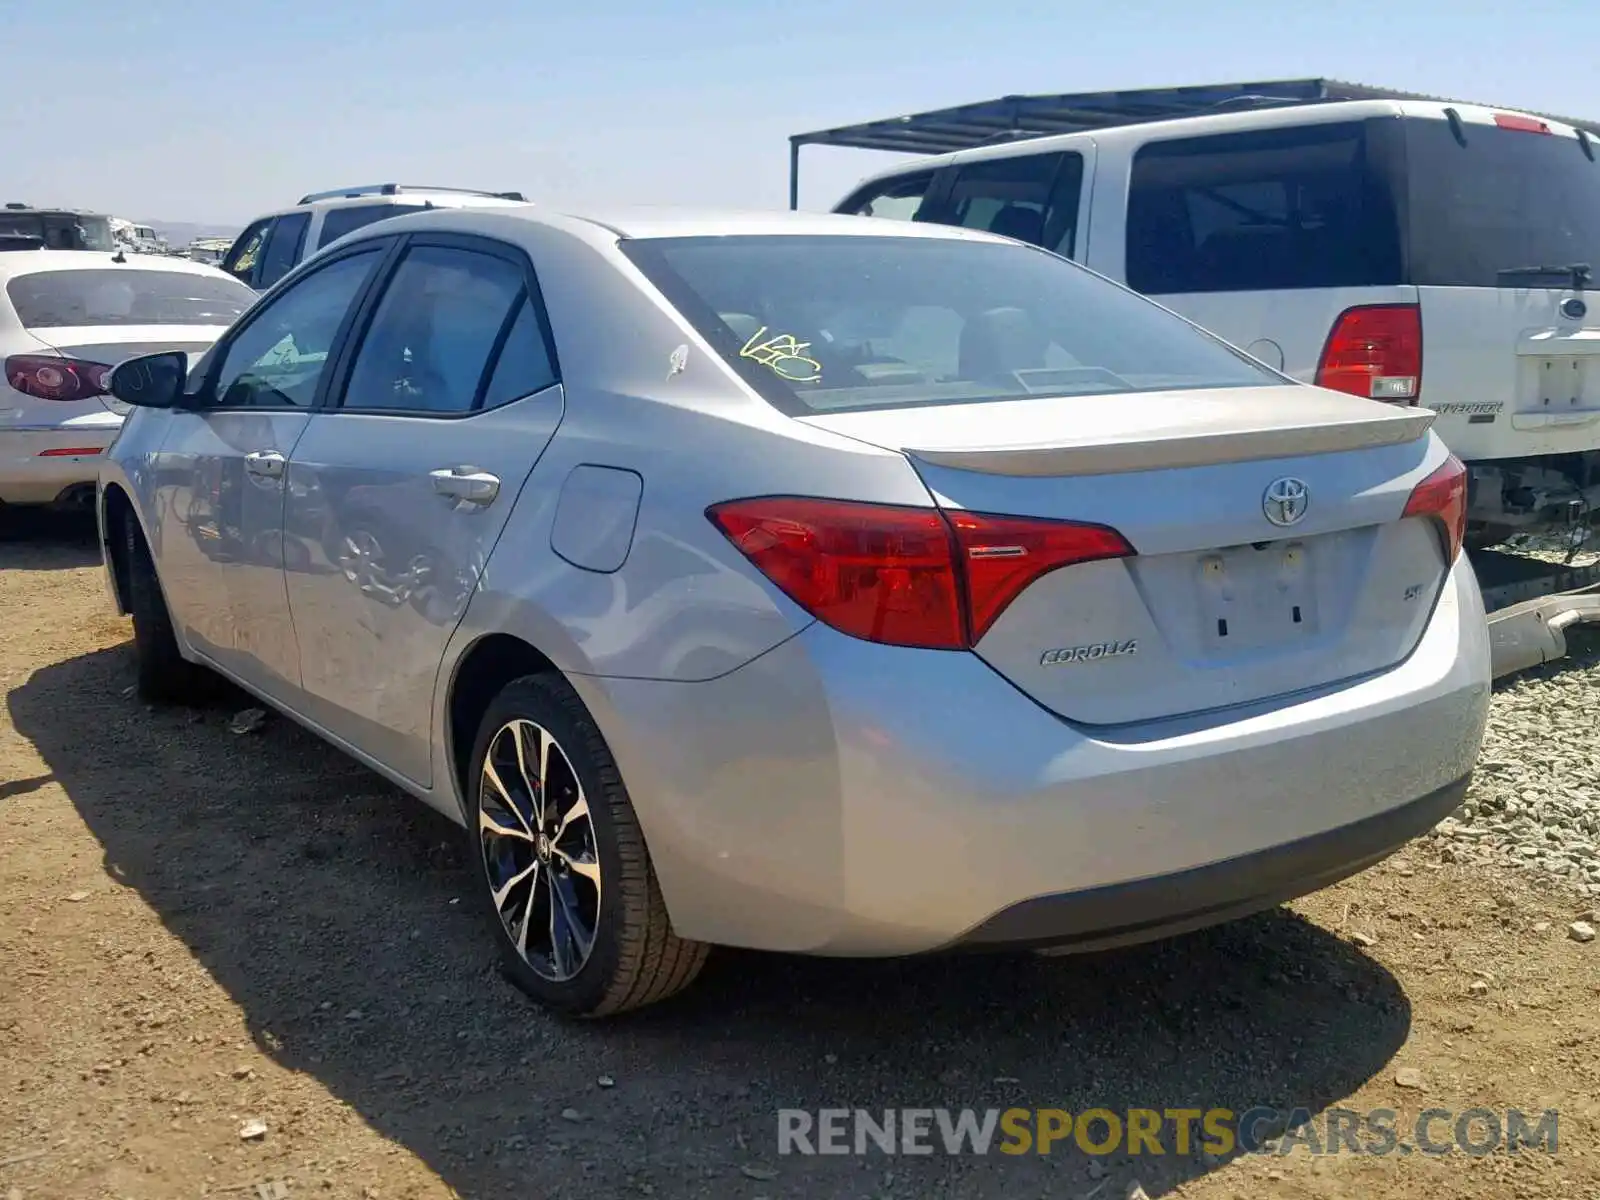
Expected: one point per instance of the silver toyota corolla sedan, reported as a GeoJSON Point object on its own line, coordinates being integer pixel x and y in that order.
{"type": "Point", "coordinates": [808, 583]}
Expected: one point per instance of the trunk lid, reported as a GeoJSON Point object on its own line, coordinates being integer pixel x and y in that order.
{"type": "Point", "coordinates": [111, 344]}
{"type": "Point", "coordinates": [1220, 606]}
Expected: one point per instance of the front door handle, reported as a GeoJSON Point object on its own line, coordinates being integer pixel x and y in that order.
{"type": "Point", "coordinates": [267, 463]}
{"type": "Point", "coordinates": [467, 484]}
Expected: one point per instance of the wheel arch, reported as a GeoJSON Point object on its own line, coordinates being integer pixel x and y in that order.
{"type": "Point", "coordinates": [116, 507]}
{"type": "Point", "coordinates": [490, 663]}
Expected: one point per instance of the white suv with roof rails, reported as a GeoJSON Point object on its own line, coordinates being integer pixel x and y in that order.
{"type": "Point", "coordinates": [1408, 250]}
{"type": "Point", "coordinates": [272, 245]}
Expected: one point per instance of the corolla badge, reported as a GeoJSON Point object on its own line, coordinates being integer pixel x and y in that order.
{"type": "Point", "coordinates": [1285, 501]}
{"type": "Point", "coordinates": [1090, 653]}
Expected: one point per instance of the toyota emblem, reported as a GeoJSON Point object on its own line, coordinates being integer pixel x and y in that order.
{"type": "Point", "coordinates": [1285, 501]}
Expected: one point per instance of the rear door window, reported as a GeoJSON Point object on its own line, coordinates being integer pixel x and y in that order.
{"type": "Point", "coordinates": [898, 199]}
{"type": "Point", "coordinates": [454, 332]}
{"type": "Point", "coordinates": [284, 244]}
{"type": "Point", "coordinates": [1506, 199]}
{"type": "Point", "coordinates": [337, 222]}
{"type": "Point", "coordinates": [1033, 198]}
{"type": "Point", "coordinates": [1306, 207]}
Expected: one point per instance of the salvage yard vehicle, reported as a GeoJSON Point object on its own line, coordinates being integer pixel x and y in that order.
{"type": "Point", "coordinates": [66, 318]}
{"type": "Point", "coordinates": [57, 228]}
{"type": "Point", "coordinates": [1412, 250]}
{"type": "Point", "coordinates": [271, 245]}
{"type": "Point", "coordinates": [807, 583]}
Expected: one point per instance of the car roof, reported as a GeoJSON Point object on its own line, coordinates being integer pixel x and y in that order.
{"type": "Point", "coordinates": [665, 222]}
{"type": "Point", "coordinates": [32, 262]}
{"type": "Point", "coordinates": [1278, 117]}
{"type": "Point", "coordinates": [49, 210]}
{"type": "Point", "coordinates": [401, 199]}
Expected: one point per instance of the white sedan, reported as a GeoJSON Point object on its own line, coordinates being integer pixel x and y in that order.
{"type": "Point", "coordinates": [66, 318]}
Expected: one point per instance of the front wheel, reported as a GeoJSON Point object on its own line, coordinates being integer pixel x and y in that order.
{"type": "Point", "coordinates": [572, 895]}
{"type": "Point", "coordinates": [164, 675]}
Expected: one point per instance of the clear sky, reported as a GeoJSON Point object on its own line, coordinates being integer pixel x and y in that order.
{"type": "Point", "coordinates": [216, 110]}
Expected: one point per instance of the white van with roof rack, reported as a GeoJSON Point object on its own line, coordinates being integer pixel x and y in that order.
{"type": "Point", "coordinates": [272, 245]}
{"type": "Point", "coordinates": [1409, 249]}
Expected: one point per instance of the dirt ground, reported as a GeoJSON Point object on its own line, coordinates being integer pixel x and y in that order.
{"type": "Point", "coordinates": [201, 929]}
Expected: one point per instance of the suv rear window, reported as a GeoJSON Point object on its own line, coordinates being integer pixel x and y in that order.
{"type": "Point", "coordinates": [54, 299]}
{"type": "Point", "coordinates": [1506, 199]}
{"type": "Point", "coordinates": [1272, 209]}
{"type": "Point", "coordinates": [831, 323]}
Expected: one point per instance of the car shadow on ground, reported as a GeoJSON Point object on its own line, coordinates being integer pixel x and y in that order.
{"type": "Point", "coordinates": [47, 540]}
{"type": "Point", "coordinates": [339, 916]}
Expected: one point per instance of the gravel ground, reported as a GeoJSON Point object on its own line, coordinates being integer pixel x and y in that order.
{"type": "Point", "coordinates": [1534, 801]}
{"type": "Point", "coordinates": [238, 965]}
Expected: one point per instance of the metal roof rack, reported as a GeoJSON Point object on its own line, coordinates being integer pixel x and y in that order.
{"type": "Point", "coordinates": [395, 189]}
{"type": "Point", "coordinates": [965, 126]}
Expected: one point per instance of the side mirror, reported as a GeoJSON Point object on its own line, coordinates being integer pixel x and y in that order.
{"type": "Point", "coordinates": [151, 380]}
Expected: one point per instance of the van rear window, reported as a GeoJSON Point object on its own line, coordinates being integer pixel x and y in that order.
{"type": "Point", "coordinates": [1304, 207]}
{"type": "Point", "coordinates": [1506, 200]}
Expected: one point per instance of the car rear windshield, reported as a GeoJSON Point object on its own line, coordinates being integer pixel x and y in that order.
{"type": "Point", "coordinates": [1506, 199]}
{"type": "Point", "coordinates": [831, 323]}
{"type": "Point", "coordinates": [52, 299]}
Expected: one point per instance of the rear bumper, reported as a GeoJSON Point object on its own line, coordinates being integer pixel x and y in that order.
{"type": "Point", "coordinates": [1128, 913]}
{"type": "Point", "coordinates": [837, 797]}
{"type": "Point", "coordinates": [31, 475]}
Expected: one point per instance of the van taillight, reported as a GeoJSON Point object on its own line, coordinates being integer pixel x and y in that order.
{"type": "Point", "coordinates": [1375, 351]}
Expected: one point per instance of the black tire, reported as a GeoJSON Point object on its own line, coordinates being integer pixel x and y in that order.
{"type": "Point", "coordinates": [164, 676]}
{"type": "Point", "coordinates": [634, 957]}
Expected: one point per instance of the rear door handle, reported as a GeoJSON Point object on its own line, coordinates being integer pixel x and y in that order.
{"type": "Point", "coordinates": [267, 463]}
{"type": "Point", "coordinates": [467, 484]}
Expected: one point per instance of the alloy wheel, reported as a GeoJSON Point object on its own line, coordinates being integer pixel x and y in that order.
{"type": "Point", "coordinates": [538, 846]}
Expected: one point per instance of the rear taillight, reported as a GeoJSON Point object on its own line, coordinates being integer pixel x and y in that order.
{"type": "Point", "coordinates": [1375, 351]}
{"type": "Point", "coordinates": [904, 576]}
{"type": "Point", "coordinates": [52, 377]}
{"type": "Point", "coordinates": [1443, 496]}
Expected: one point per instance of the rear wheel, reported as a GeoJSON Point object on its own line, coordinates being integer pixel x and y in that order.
{"type": "Point", "coordinates": [164, 677]}
{"type": "Point", "coordinates": [571, 893]}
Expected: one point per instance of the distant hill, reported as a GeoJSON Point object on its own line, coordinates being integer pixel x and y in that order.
{"type": "Point", "coordinates": [181, 233]}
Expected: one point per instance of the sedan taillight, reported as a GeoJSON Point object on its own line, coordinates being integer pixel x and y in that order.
{"type": "Point", "coordinates": [53, 377]}
{"type": "Point", "coordinates": [904, 576]}
{"type": "Point", "coordinates": [1443, 496]}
